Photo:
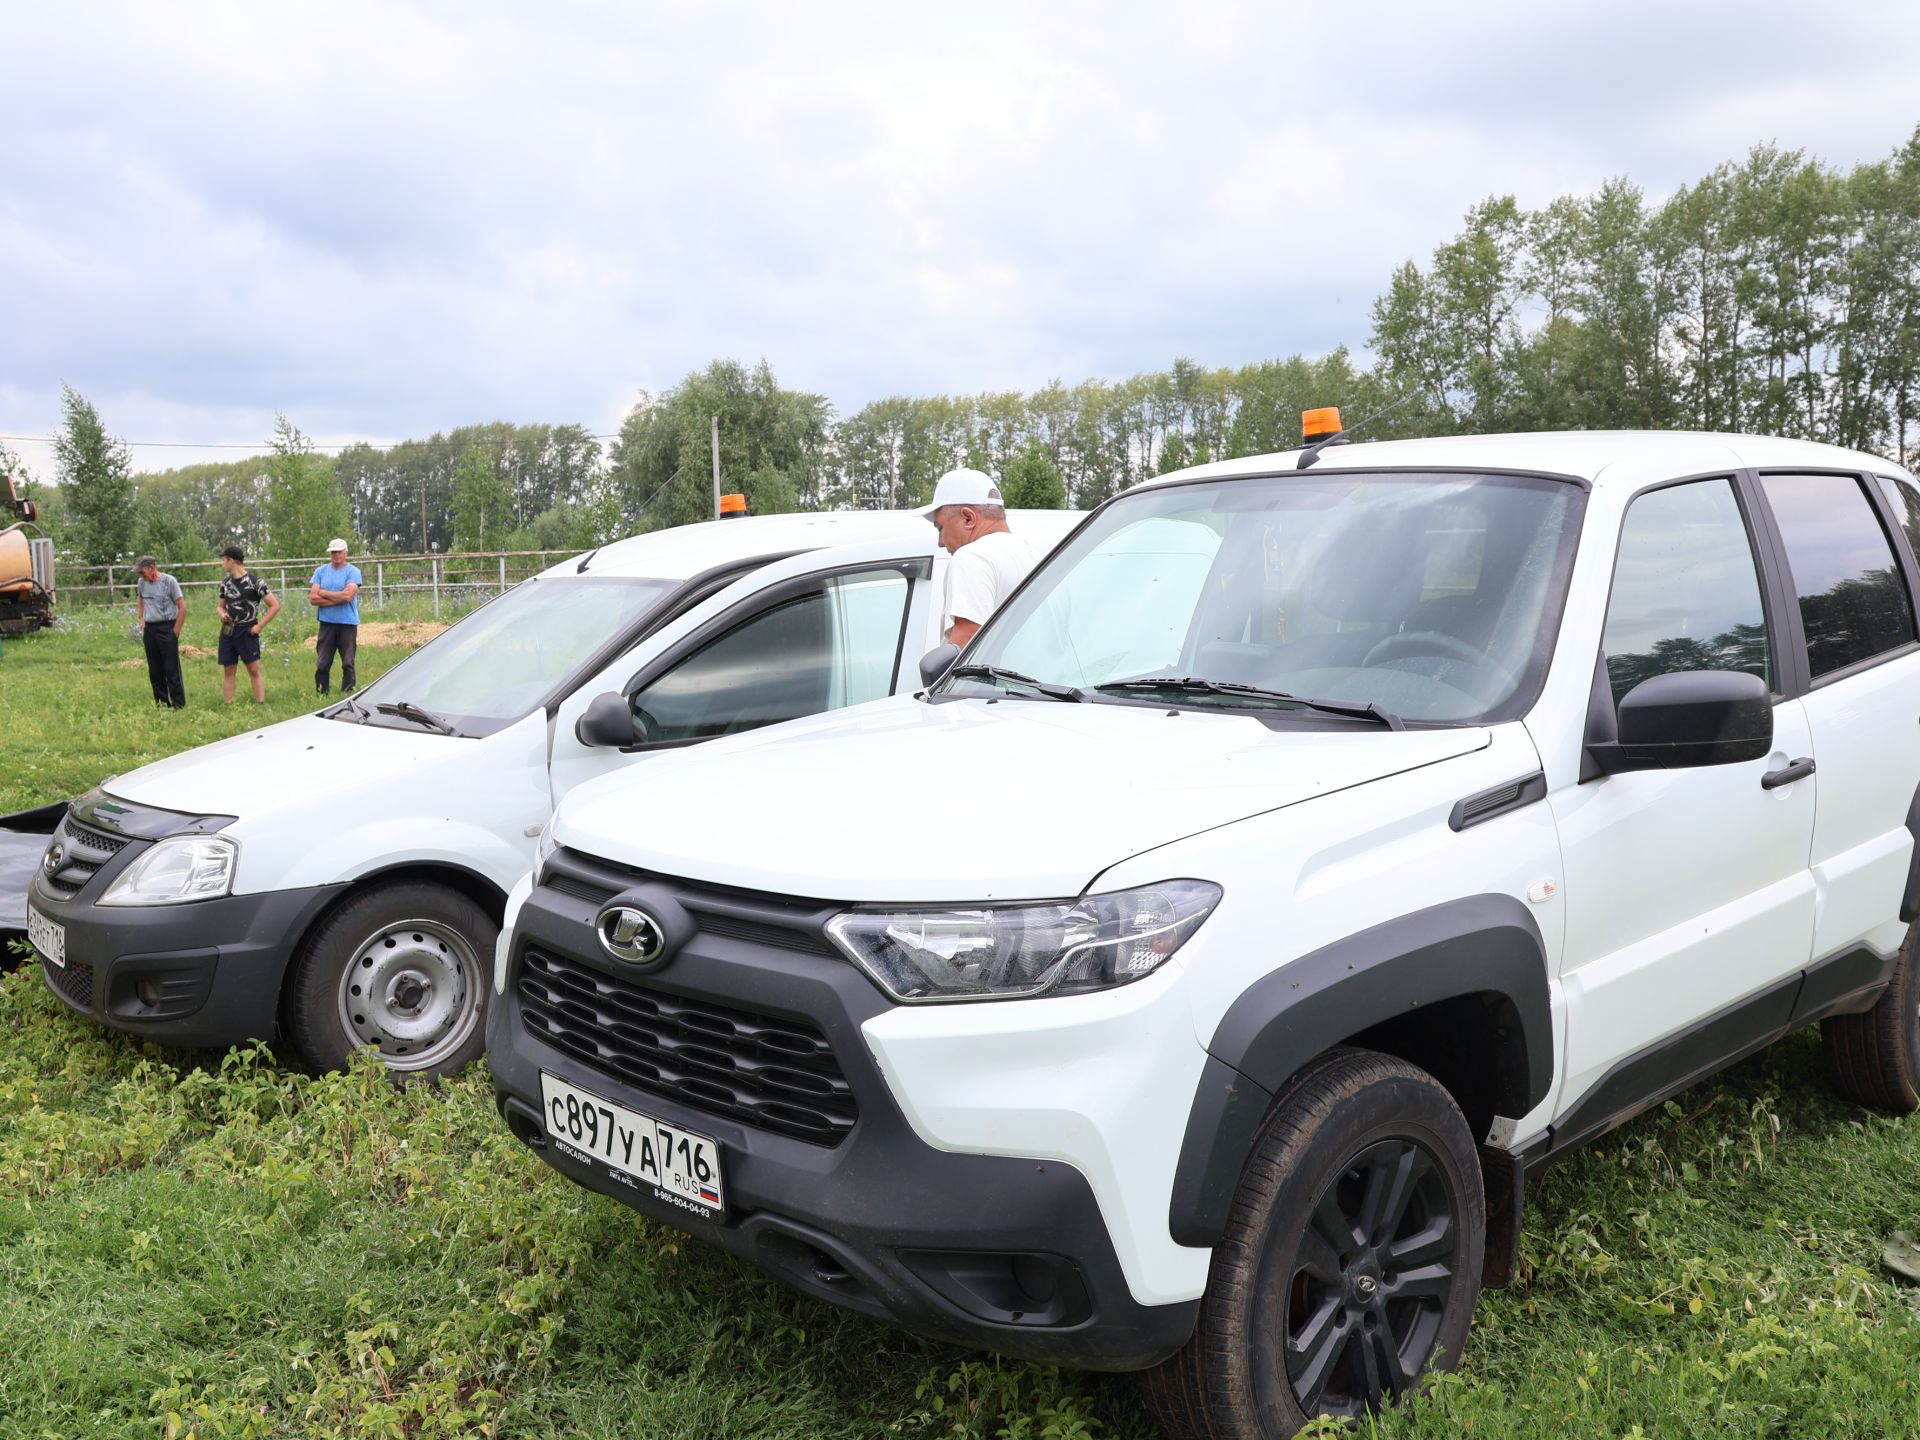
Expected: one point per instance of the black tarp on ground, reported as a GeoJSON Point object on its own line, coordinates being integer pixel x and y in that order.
{"type": "Point", "coordinates": [23, 840]}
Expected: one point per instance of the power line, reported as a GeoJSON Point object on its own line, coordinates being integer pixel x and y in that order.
{"type": "Point", "coordinates": [314, 446]}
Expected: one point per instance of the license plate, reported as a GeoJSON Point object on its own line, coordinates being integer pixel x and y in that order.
{"type": "Point", "coordinates": [49, 937]}
{"type": "Point", "coordinates": [649, 1155]}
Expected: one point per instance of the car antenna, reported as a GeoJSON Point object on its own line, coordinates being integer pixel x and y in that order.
{"type": "Point", "coordinates": [585, 560]}
{"type": "Point", "coordinates": [1321, 428]}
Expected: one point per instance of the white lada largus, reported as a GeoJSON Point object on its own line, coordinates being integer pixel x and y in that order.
{"type": "Point", "coordinates": [337, 880]}
{"type": "Point", "coordinates": [1188, 978]}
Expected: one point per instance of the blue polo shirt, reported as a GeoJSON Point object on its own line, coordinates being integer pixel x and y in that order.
{"type": "Point", "coordinates": [328, 578]}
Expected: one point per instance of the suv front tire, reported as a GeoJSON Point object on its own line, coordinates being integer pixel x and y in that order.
{"type": "Point", "coordinates": [1350, 1263]}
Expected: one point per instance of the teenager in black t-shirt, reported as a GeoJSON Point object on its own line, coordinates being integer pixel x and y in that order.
{"type": "Point", "coordinates": [241, 621]}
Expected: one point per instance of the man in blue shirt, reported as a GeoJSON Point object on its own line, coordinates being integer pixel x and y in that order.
{"type": "Point", "coordinates": [334, 586]}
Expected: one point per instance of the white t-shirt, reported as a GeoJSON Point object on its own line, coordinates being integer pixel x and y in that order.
{"type": "Point", "coordinates": [983, 573]}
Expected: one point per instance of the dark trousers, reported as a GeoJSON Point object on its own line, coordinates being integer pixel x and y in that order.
{"type": "Point", "coordinates": [345, 639]}
{"type": "Point", "coordinates": [163, 664]}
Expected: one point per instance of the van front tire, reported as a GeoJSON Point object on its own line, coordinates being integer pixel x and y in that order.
{"type": "Point", "coordinates": [401, 968]}
{"type": "Point", "coordinates": [1351, 1260]}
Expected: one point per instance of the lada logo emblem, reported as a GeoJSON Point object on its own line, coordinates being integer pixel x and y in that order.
{"type": "Point", "coordinates": [56, 857]}
{"type": "Point", "coordinates": [631, 935]}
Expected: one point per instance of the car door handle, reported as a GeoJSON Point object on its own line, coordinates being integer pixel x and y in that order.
{"type": "Point", "coordinates": [1787, 774]}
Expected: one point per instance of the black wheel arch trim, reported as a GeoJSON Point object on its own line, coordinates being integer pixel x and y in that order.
{"type": "Point", "coordinates": [1910, 901]}
{"type": "Point", "coordinates": [1479, 944]}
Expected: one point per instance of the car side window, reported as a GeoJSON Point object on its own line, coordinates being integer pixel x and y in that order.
{"type": "Point", "coordinates": [829, 647]}
{"type": "Point", "coordinates": [1906, 504]}
{"type": "Point", "coordinates": [1686, 590]}
{"type": "Point", "coordinates": [1853, 598]}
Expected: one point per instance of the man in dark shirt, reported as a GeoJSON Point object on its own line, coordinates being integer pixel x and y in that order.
{"type": "Point", "coordinates": [241, 621]}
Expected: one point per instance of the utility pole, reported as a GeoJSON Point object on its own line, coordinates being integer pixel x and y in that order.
{"type": "Point", "coordinates": [716, 467]}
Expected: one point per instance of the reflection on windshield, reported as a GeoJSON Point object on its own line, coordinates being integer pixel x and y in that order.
{"type": "Point", "coordinates": [1425, 595]}
{"type": "Point", "coordinates": [498, 663]}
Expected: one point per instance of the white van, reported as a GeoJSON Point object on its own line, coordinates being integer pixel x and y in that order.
{"type": "Point", "coordinates": [338, 879]}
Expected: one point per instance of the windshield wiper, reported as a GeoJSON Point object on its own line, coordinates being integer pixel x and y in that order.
{"type": "Point", "coordinates": [407, 710]}
{"type": "Point", "coordinates": [1196, 684]}
{"type": "Point", "coordinates": [348, 704]}
{"type": "Point", "coordinates": [995, 672]}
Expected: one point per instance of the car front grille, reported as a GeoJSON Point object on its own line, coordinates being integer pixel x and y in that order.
{"type": "Point", "coordinates": [86, 851]}
{"type": "Point", "coordinates": [767, 1071]}
{"type": "Point", "coordinates": [72, 981]}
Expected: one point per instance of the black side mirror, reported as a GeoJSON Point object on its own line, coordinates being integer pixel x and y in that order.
{"type": "Point", "coordinates": [608, 720]}
{"type": "Point", "coordinates": [1687, 719]}
{"type": "Point", "coordinates": [29, 511]}
{"type": "Point", "coordinates": [937, 661]}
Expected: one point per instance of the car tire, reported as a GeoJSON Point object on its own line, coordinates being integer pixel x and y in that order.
{"type": "Point", "coordinates": [1874, 1058]}
{"type": "Point", "coordinates": [404, 968]}
{"type": "Point", "coordinates": [1305, 1314]}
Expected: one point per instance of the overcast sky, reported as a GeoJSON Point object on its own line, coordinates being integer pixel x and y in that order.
{"type": "Point", "coordinates": [385, 220]}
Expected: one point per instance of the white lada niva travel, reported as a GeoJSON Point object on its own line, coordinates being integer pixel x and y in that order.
{"type": "Point", "coordinates": [1188, 978]}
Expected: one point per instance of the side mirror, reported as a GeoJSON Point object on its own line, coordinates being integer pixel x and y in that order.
{"type": "Point", "coordinates": [937, 661]}
{"type": "Point", "coordinates": [29, 511]}
{"type": "Point", "coordinates": [608, 720]}
{"type": "Point", "coordinates": [1688, 719]}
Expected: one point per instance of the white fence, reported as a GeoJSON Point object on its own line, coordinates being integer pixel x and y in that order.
{"type": "Point", "coordinates": [453, 577]}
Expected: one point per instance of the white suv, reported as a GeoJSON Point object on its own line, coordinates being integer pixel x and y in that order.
{"type": "Point", "coordinates": [1315, 845]}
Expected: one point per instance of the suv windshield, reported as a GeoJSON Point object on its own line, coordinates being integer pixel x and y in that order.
{"type": "Point", "coordinates": [498, 663]}
{"type": "Point", "coordinates": [1429, 597]}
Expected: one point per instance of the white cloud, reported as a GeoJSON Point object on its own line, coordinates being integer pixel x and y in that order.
{"type": "Point", "coordinates": [384, 220]}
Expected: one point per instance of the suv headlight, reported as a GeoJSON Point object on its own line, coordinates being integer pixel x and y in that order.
{"type": "Point", "coordinates": [176, 870]}
{"type": "Point", "coordinates": [1005, 952]}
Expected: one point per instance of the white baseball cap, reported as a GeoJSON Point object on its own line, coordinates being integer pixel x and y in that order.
{"type": "Point", "coordinates": [336, 544]}
{"type": "Point", "coordinates": [964, 487]}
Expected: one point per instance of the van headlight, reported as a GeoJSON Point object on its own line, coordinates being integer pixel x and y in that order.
{"type": "Point", "coordinates": [176, 870]}
{"type": "Point", "coordinates": [1006, 952]}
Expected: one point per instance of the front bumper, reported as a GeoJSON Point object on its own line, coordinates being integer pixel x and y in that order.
{"type": "Point", "coordinates": [993, 1251]}
{"type": "Point", "coordinates": [201, 975]}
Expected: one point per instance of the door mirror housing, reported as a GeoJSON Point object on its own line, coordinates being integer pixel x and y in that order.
{"type": "Point", "coordinates": [937, 661]}
{"type": "Point", "coordinates": [608, 720]}
{"type": "Point", "coordinates": [1688, 719]}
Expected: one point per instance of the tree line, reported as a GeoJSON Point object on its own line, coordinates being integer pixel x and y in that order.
{"type": "Point", "coordinates": [1776, 295]}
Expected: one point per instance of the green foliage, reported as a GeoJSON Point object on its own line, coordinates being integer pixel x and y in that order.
{"type": "Point", "coordinates": [772, 446]}
{"type": "Point", "coordinates": [306, 506]}
{"type": "Point", "coordinates": [1032, 481]}
{"type": "Point", "coordinates": [1774, 296]}
{"type": "Point", "coordinates": [96, 484]}
{"type": "Point", "coordinates": [482, 503]}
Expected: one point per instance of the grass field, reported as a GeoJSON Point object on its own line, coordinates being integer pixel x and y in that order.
{"type": "Point", "coordinates": [215, 1246]}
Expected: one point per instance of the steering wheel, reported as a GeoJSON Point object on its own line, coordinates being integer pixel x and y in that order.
{"type": "Point", "coordinates": [1433, 642]}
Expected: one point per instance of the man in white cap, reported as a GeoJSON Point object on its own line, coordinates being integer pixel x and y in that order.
{"type": "Point", "coordinates": [989, 560]}
{"type": "Point", "coordinates": [332, 594]}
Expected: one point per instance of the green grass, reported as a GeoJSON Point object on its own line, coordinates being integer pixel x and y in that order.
{"type": "Point", "coordinates": [224, 1247]}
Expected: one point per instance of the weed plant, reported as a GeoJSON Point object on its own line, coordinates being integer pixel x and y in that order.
{"type": "Point", "coordinates": [200, 1246]}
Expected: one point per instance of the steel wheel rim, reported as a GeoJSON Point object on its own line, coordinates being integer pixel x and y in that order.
{"type": "Point", "coordinates": [411, 991]}
{"type": "Point", "coordinates": [1364, 1292]}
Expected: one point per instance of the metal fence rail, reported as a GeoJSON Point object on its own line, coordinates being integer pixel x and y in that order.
{"type": "Point", "coordinates": [464, 574]}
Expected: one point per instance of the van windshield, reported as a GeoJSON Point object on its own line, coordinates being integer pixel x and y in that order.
{"type": "Point", "coordinates": [499, 662]}
{"type": "Point", "coordinates": [1433, 597]}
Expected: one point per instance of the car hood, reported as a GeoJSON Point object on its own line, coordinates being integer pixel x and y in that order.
{"type": "Point", "coordinates": [306, 762]}
{"type": "Point", "coordinates": [967, 799]}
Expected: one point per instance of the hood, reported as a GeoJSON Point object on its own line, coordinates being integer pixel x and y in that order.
{"type": "Point", "coordinates": [306, 762]}
{"type": "Point", "coordinates": [966, 800]}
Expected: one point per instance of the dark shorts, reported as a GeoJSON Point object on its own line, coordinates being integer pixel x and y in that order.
{"type": "Point", "coordinates": [242, 647]}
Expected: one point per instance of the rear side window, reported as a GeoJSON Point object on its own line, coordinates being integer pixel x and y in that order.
{"type": "Point", "coordinates": [1686, 592]}
{"type": "Point", "coordinates": [1853, 601]}
{"type": "Point", "coordinates": [1906, 504]}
